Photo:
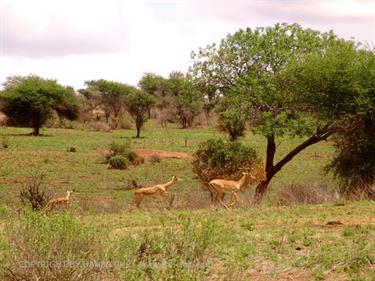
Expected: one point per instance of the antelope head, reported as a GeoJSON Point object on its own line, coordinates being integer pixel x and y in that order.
{"type": "Point", "coordinates": [176, 179]}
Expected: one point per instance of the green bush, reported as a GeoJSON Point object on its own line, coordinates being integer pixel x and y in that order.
{"type": "Point", "coordinates": [120, 148]}
{"type": "Point", "coordinates": [118, 162]}
{"type": "Point", "coordinates": [119, 155]}
{"type": "Point", "coordinates": [218, 159]}
{"type": "Point", "coordinates": [37, 247]}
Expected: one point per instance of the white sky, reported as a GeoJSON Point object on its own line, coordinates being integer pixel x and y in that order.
{"type": "Point", "coordinates": [77, 40]}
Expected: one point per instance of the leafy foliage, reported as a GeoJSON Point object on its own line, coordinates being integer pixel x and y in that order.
{"type": "Point", "coordinates": [30, 101]}
{"type": "Point", "coordinates": [354, 164]}
{"type": "Point", "coordinates": [186, 98]}
{"type": "Point", "coordinates": [338, 86]}
{"type": "Point", "coordinates": [232, 122]}
{"type": "Point", "coordinates": [118, 162]}
{"type": "Point", "coordinates": [220, 159]}
{"type": "Point", "coordinates": [109, 94]}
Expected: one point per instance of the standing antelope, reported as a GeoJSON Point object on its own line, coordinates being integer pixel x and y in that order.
{"type": "Point", "coordinates": [159, 189]}
{"type": "Point", "coordinates": [53, 203]}
{"type": "Point", "coordinates": [220, 187]}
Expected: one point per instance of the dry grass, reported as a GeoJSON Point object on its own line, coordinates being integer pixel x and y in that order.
{"type": "Point", "coordinates": [313, 193]}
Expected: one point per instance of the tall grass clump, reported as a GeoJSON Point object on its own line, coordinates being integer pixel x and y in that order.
{"type": "Point", "coordinates": [180, 251]}
{"type": "Point", "coordinates": [309, 193]}
{"type": "Point", "coordinates": [37, 247]}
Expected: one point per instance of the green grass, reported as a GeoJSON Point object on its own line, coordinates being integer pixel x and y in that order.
{"type": "Point", "coordinates": [83, 171]}
{"type": "Point", "coordinates": [260, 243]}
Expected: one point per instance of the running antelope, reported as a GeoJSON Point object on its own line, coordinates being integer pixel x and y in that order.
{"type": "Point", "coordinates": [159, 189]}
{"type": "Point", "coordinates": [220, 187]}
{"type": "Point", "coordinates": [53, 203]}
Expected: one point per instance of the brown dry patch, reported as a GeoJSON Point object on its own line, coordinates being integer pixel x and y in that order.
{"type": "Point", "coordinates": [147, 153]}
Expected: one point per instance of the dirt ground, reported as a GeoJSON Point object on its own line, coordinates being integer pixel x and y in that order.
{"type": "Point", "coordinates": [147, 153]}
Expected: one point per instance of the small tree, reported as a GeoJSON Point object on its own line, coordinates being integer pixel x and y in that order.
{"type": "Point", "coordinates": [29, 101]}
{"type": "Point", "coordinates": [186, 98]}
{"type": "Point", "coordinates": [112, 96]}
{"type": "Point", "coordinates": [158, 87]}
{"type": "Point", "coordinates": [138, 104]}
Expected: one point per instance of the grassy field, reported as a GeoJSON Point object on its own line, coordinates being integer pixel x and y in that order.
{"type": "Point", "coordinates": [193, 241]}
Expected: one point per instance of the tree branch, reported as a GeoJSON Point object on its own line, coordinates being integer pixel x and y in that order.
{"type": "Point", "coordinates": [321, 134]}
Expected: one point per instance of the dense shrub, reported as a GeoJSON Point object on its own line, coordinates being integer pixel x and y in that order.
{"type": "Point", "coordinates": [37, 247]}
{"type": "Point", "coordinates": [120, 148]}
{"type": "Point", "coordinates": [118, 162]}
{"type": "Point", "coordinates": [120, 155]}
{"type": "Point", "coordinates": [354, 164]}
{"type": "Point", "coordinates": [220, 159]}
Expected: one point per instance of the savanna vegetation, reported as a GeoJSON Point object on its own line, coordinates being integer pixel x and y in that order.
{"type": "Point", "coordinates": [291, 107]}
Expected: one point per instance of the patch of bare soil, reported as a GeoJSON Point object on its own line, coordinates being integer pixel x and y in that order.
{"type": "Point", "coordinates": [147, 153]}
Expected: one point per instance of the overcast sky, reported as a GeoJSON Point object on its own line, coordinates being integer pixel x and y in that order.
{"type": "Point", "coordinates": [77, 40]}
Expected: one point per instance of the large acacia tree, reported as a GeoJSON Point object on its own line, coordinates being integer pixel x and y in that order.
{"type": "Point", "coordinates": [29, 101]}
{"type": "Point", "coordinates": [251, 66]}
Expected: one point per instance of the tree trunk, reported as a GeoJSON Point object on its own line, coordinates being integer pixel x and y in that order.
{"type": "Point", "coordinates": [36, 131]}
{"type": "Point", "coordinates": [138, 130]}
{"type": "Point", "coordinates": [272, 170]}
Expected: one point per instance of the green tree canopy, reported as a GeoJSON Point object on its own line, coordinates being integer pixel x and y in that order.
{"type": "Point", "coordinates": [186, 98]}
{"type": "Point", "coordinates": [30, 101]}
{"type": "Point", "coordinates": [339, 87]}
{"type": "Point", "coordinates": [112, 95]}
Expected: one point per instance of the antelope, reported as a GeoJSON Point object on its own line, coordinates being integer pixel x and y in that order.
{"type": "Point", "coordinates": [53, 203]}
{"type": "Point", "coordinates": [220, 187]}
{"type": "Point", "coordinates": [159, 189]}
